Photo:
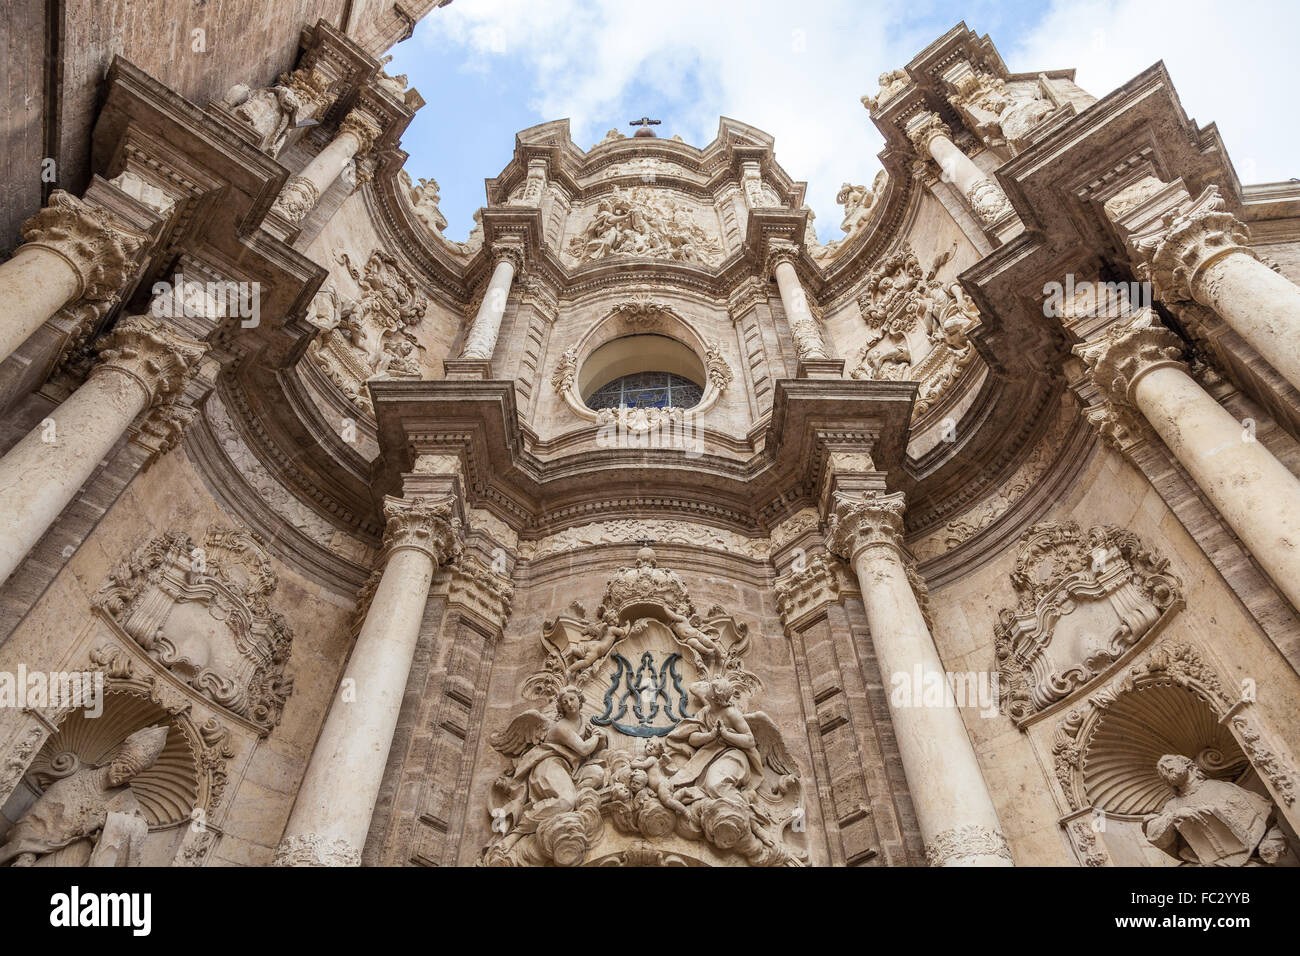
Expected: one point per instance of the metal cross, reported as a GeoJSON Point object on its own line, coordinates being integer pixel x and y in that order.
{"type": "Point", "coordinates": [645, 121]}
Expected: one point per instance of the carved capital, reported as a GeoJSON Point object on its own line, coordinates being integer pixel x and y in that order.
{"type": "Point", "coordinates": [312, 849]}
{"type": "Point", "coordinates": [923, 129]}
{"type": "Point", "coordinates": [873, 520]}
{"type": "Point", "coordinates": [1127, 352]}
{"type": "Point", "coordinates": [1173, 251]}
{"type": "Point", "coordinates": [779, 251]}
{"type": "Point", "coordinates": [298, 197]}
{"type": "Point", "coordinates": [988, 201]}
{"type": "Point", "coordinates": [363, 127]}
{"type": "Point", "coordinates": [154, 356]}
{"type": "Point", "coordinates": [475, 588]}
{"type": "Point", "coordinates": [970, 840]}
{"type": "Point", "coordinates": [424, 524]}
{"type": "Point", "coordinates": [809, 588]}
{"type": "Point", "coordinates": [511, 252]}
{"type": "Point", "coordinates": [95, 245]}
{"type": "Point", "coordinates": [312, 87]}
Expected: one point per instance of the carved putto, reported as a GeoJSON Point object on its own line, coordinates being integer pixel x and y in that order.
{"type": "Point", "coordinates": [1083, 600]}
{"type": "Point", "coordinates": [644, 221]}
{"type": "Point", "coordinates": [671, 756]}
{"type": "Point", "coordinates": [859, 203]}
{"type": "Point", "coordinates": [917, 326]}
{"type": "Point", "coordinates": [205, 614]}
{"type": "Point", "coordinates": [370, 337]}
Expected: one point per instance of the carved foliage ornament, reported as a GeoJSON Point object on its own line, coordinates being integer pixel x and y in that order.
{"type": "Point", "coordinates": [1082, 601]}
{"type": "Point", "coordinates": [1128, 351]}
{"type": "Point", "coordinates": [205, 614]}
{"type": "Point", "coordinates": [153, 355]}
{"type": "Point", "coordinates": [1173, 251]}
{"type": "Point", "coordinates": [672, 758]}
{"type": "Point", "coordinates": [368, 337]}
{"type": "Point", "coordinates": [97, 246]}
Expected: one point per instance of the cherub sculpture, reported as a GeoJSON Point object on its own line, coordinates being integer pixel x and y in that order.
{"type": "Point", "coordinates": [659, 769]}
{"type": "Point", "coordinates": [600, 638]}
{"type": "Point", "coordinates": [548, 799]}
{"type": "Point", "coordinates": [687, 628]}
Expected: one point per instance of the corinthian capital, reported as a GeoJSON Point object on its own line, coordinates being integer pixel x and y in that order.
{"type": "Point", "coordinates": [872, 520]}
{"type": "Point", "coordinates": [425, 524]}
{"type": "Point", "coordinates": [1127, 352]}
{"type": "Point", "coordinates": [924, 128]}
{"type": "Point", "coordinates": [781, 250]}
{"type": "Point", "coordinates": [1174, 250]}
{"type": "Point", "coordinates": [99, 249]}
{"type": "Point", "coordinates": [364, 127]}
{"type": "Point", "coordinates": [511, 252]}
{"type": "Point", "coordinates": [154, 356]}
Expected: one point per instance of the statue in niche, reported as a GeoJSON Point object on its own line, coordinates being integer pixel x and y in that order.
{"type": "Point", "coordinates": [1212, 822]}
{"type": "Point", "coordinates": [90, 817]}
{"type": "Point", "coordinates": [547, 801]}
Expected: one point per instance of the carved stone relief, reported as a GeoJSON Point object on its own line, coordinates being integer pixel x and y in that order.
{"type": "Point", "coordinates": [1082, 601]}
{"type": "Point", "coordinates": [370, 337]}
{"type": "Point", "coordinates": [917, 326]}
{"type": "Point", "coordinates": [644, 221]}
{"type": "Point", "coordinates": [204, 613]}
{"type": "Point", "coordinates": [859, 203]}
{"type": "Point", "coordinates": [671, 757]}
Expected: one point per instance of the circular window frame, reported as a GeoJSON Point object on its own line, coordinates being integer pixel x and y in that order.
{"type": "Point", "coordinates": [632, 318]}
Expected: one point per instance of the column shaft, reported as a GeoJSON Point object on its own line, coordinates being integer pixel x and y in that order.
{"type": "Point", "coordinates": [338, 792]}
{"type": "Point", "coordinates": [481, 340]}
{"type": "Point", "coordinates": [38, 478]}
{"type": "Point", "coordinates": [952, 803]}
{"type": "Point", "coordinates": [34, 285]}
{"type": "Point", "coordinates": [1262, 306]}
{"type": "Point", "coordinates": [1256, 494]}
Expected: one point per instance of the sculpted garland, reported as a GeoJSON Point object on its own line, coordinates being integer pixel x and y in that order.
{"type": "Point", "coordinates": [672, 757]}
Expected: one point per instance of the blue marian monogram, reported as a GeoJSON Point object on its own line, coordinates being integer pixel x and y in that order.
{"type": "Point", "coordinates": [643, 690]}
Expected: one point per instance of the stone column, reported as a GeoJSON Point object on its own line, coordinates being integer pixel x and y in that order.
{"type": "Point", "coordinates": [932, 138]}
{"type": "Point", "coordinates": [481, 340]}
{"type": "Point", "coordinates": [142, 363]}
{"type": "Point", "coordinates": [953, 806]}
{"type": "Point", "coordinates": [475, 359]}
{"type": "Point", "coordinates": [357, 134]}
{"type": "Point", "coordinates": [810, 345]}
{"type": "Point", "coordinates": [331, 816]}
{"type": "Point", "coordinates": [1199, 253]}
{"type": "Point", "coordinates": [71, 251]}
{"type": "Point", "coordinates": [1137, 365]}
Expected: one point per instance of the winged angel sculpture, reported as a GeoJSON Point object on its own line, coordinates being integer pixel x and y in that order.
{"type": "Point", "coordinates": [711, 772]}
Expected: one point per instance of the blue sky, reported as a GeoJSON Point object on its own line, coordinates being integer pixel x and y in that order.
{"type": "Point", "coordinates": [488, 68]}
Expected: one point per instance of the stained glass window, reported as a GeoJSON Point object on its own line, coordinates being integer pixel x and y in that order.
{"type": "Point", "coordinates": [647, 390]}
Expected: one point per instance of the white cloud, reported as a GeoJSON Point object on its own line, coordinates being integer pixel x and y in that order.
{"type": "Point", "coordinates": [797, 70]}
{"type": "Point", "coordinates": [1231, 64]}
{"type": "Point", "coordinates": [796, 73]}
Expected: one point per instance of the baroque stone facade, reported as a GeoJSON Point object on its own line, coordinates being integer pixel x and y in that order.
{"type": "Point", "coordinates": [964, 539]}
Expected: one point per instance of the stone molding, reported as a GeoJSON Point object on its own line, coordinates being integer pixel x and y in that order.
{"type": "Point", "coordinates": [965, 841]}
{"type": "Point", "coordinates": [312, 849]}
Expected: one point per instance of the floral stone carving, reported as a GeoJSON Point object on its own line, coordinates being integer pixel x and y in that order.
{"type": "Point", "coordinates": [1083, 600]}
{"type": "Point", "coordinates": [370, 337]}
{"type": "Point", "coordinates": [205, 614]}
{"type": "Point", "coordinates": [672, 757]}
{"type": "Point", "coordinates": [917, 327]}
